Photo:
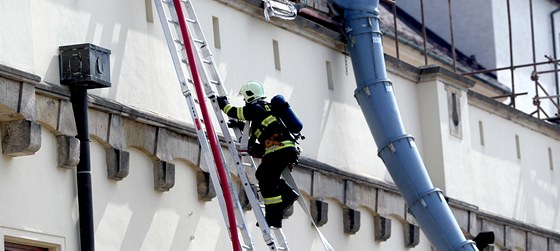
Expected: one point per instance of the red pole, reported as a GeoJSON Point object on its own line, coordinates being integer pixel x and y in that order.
{"type": "Point", "coordinates": [210, 130]}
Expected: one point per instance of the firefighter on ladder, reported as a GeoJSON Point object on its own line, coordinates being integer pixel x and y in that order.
{"type": "Point", "coordinates": [270, 141]}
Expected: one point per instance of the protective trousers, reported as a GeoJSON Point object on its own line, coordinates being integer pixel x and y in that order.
{"type": "Point", "coordinates": [278, 196]}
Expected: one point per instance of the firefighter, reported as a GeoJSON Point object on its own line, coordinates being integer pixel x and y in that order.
{"type": "Point", "coordinates": [272, 142]}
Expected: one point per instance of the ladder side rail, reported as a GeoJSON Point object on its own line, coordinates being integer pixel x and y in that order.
{"type": "Point", "coordinates": [216, 151]}
{"type": "Point", "coordinates": [278, 233]}
{"type": "Point", "coordinates": [246, 183]}
{"type": "Point", "coordinates": [187, 93]}
{"type": "Point", "coordinates": [175, 51]}
{"type": "Point", "coordinates": [193, 23]}
{"type": "Point", "coordinates": [239, 210]}
{"type": "Point", "coordinates": [248, 188]}
{"type": "Point", "coordinates": [217, 81]}
{"type": "Point", "coordinates": [221, 91]}
{"type": "Point", "coordinates": [181, 73]}
{"type": "Point", "coordinates": [207, 58]}
{"type": "Point", "coordinates": [241, 172]}
{"type": "Point", "coordinates": [209, 64]}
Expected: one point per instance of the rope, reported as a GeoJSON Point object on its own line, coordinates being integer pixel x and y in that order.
{"type": "Point", "coordinates": [290, 180]}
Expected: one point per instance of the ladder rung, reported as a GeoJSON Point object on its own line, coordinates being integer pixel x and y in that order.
{"type": "Point", "coordinates": [172, 21]}
{"type": "Point", "coordinates": [177, 41]}
{"type": "Point", "coordinates": [177, 47]}
{"type": "Point", "coordinates": [184, 84]}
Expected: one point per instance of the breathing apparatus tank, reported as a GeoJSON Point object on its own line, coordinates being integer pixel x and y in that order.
{"type": "Point", "coordinates": [283, 111]}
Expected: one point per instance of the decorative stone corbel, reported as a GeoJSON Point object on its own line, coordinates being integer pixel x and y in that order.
{"type": "Point", "coordinates": [319, 212]}
{"type": "Point", "coordinates": [351, 220]}
{"type": "Point", "coordinates": [21, 137]}
{"type": "Point", "coordinates": [68, 151]}
{"type": "Point", "coordinates": [164, 175]}
{"type": "Point", "coordinates": [204, 187]}
{"type": "Point", "coordinates": [411, 235]}
{"type": "Point", "coordinates": [117, 163]}
{"type": "Point", "coordinates": [382, 228]}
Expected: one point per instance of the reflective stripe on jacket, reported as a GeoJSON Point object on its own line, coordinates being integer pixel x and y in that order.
{"type": "Point", "coordinates": [263, 123]}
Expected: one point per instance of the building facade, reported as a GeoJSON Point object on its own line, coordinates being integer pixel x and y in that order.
{"type": "Point", "coordinates": [497, 166]}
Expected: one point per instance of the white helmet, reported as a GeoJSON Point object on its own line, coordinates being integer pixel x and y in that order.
{"type": "Point", "coordinates": [252, 91]}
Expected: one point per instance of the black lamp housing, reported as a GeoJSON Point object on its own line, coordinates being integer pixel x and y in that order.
{"type": "Point", "coordinates": [85, 65]}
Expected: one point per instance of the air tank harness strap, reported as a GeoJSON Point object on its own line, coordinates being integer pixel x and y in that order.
{"type": "Point", "coordinates": [268, 143]}
{"type": "Point", "coordinates": [277, 145]}
{"type": "Point", "coordinates": [274, 140]}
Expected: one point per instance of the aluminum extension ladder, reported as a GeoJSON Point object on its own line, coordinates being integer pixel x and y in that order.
{"type": "Point", "coordinates": [213, 87]}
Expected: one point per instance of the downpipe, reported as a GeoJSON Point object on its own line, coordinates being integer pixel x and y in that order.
{"type": "Point", "coordinates": [78, 98]}
{"type": "Point", "coordinates": [397, 149]}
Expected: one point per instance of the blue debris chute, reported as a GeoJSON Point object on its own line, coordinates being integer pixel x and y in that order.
{"type": "Point", "coordinates": [375, 95]}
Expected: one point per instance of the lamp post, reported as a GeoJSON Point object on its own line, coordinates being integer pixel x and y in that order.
{"type": "Point", "coordinates": [83, 67]}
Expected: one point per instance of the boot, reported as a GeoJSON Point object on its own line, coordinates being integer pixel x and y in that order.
{"type": "Point", "coordinates": [289, 196]}
{"type": "Point", "coordinates": [273, 215]}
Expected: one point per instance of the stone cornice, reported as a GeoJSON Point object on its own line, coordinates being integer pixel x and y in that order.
{"type": "Point", "coordinates": [17, 75]}
{"type": "Point", "coordinates": [117, 127]}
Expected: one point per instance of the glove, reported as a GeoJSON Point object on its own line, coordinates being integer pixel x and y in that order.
{"type": "Point", "coordinates": [256, 150]}
{"type": "Point", "coordinates": [222, 101]}
{"type": "Point", "coordinates": [234, 123]}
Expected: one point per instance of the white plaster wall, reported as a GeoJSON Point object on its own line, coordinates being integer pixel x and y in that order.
{"type": "Point", "coordinates": [409, 102]}
{"type": "Point", "coordinates": [335, 129]}
{"type": "Point", "coordinates": [432, 126]}
{"type": "Point", "coordinates": [336, 132]}
{"type": "Point", "coordinates": [143, 77]}
{"type": "Point", "coordinates": [302, 236]}
{"type": "Point", "coordinates": [525, 189]}
{"type": "Point", "coordinates": [39, 199]}
{"type": "Point", "coordinates": [130, 210]}
{"type": "Point", "coordinates": [456, 150]}
{"type": "Point", "coordinates": [131, 215]}
{"type": "Point", "coordinates": [141, 73]}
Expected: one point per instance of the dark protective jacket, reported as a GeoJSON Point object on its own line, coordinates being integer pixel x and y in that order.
{"type": "Point", "coordinates": [265, 127]}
